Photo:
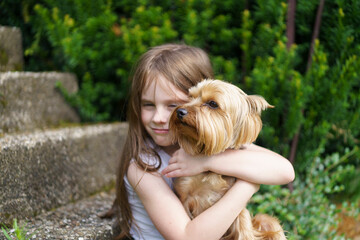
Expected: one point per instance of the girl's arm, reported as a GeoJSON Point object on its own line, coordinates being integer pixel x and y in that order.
{"type": "Point", "coordinates": [254, 164]}
{"type": "Point", "coordinates": [169, 216]}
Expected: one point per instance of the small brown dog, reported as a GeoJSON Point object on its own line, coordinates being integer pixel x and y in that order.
{"type": "Point", "coordinates": [220, 116]}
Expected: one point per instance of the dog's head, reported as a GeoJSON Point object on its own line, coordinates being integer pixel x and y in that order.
{"type": "Point", "coordinates": [219, 116]}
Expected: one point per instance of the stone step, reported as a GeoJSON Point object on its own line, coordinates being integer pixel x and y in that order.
{"type": "Point", "coordinates": [47, 169]}
{"type": "Point", "coordinates": [74, 221]}
{"type": "Point", "coordinates": [30, 100]}
{"type": "Point", "coordinates": [11, 53]}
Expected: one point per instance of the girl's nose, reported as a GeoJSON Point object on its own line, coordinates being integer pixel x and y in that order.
{"type": "Point", "coordinates": [160, 116]}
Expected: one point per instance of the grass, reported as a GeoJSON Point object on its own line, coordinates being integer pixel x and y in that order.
{"type": "Point", "coordinates": [19, 232]}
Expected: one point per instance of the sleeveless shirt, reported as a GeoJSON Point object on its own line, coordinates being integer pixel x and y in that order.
{"type": "Point", "coordinates": [145, 229]}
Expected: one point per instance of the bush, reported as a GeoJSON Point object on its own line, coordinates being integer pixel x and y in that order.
{"type": "Point", "coordinates": [320, 104]}
{"type": "Point", "coordinates": [90, 40]}
{"type": "Point", "coordinates": [307, 212]}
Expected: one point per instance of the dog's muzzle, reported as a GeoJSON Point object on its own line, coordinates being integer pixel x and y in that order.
{"type": "Point", "coordinates": [181, 112]}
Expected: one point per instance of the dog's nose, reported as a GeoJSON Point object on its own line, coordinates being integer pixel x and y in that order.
{"type": "Point", "coordinates": [181, 112]}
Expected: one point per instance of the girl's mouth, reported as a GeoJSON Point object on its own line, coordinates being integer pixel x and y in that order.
{"type": "Point", "coordinates": [160, 130]}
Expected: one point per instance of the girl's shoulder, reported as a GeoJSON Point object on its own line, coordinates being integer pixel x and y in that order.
{"type": "Point", "coordinates": [161, 162]}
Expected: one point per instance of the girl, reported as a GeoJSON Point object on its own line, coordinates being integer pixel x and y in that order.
{"type": "Point", "coordinates": [148, 207]}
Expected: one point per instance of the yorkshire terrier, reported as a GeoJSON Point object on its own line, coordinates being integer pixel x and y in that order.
{"type": "Point", "coordinates": [220, 116]}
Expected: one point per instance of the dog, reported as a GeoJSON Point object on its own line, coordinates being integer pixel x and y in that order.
{"type": "Point", "coordinates": [220, 116]}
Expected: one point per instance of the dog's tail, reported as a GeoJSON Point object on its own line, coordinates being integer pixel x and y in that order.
{"type": "Point", "coordinates": [268, 227]}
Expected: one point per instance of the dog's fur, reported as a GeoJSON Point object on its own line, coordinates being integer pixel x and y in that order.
{"type": "Point", "coordinates": [219, 116]}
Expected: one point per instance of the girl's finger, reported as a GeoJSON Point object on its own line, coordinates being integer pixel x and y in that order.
{"type": "Point", "coordinates": [172, 160]}
{"type": "Point", "coordinates": [173, 174]}
{"type": "Point", "coordinates": [169, 168]}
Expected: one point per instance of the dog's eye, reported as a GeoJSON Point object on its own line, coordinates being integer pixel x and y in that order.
{"type": "Point", "coordinates": [212, 104]}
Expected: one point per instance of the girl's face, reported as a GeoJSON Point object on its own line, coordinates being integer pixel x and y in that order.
{"type": "Point", "coordinates": [158, 101]}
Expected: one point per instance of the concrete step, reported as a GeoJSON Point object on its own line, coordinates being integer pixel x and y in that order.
{"type": "Point", "coordinates": [74, 221]}
{"type": "Point", "coordinates": [11, 53]}
{"type": "Point", "coordinates": [47, 169]}
{"type": "Point", "coordinates": [30, 100]}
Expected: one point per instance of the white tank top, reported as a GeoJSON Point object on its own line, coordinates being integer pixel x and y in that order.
{"type": "Point", "coordinates": [146, 229]}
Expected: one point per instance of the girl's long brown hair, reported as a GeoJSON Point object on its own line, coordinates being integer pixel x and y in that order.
{"type": "Point", "coordinates": [184, 66]}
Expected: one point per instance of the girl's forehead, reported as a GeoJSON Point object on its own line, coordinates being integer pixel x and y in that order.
{"type": "Point", "coordinates": [161, 85]}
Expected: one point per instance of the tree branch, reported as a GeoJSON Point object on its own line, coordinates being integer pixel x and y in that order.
{"type": "Point", "coordinates": [290, 23]}
{"type": "Point", "coordinates": [316, 31]}
{"type": "Point", "coordinates": [315, 35]}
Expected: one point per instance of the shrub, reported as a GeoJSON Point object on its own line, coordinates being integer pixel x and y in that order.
{"type": "Point", "coordinates": [307, 212]}
{"type": "Point", "coordinates": [90, 40]}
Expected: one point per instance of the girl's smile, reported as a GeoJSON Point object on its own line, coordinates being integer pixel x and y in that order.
{"type": "Point", "coordinates": [161, 131]}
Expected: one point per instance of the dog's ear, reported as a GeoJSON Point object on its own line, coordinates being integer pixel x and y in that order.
{"type": "Point", "coordinates": [257, 104]}
{"type": "Point", "coordinates": [252, 124]}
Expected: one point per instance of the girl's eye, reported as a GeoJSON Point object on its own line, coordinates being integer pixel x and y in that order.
{"type": "Point", "coordinates": [173, 105]}
{"type": "Point", "coordinates": [148, 105]}
{"type": "Point", "coordinates": [212, 104]}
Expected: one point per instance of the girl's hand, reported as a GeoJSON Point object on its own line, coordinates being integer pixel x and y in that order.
{"type": "Point", "coordinates": [182, 164]}
{"type": "Point", "coordinates": [253, 164]}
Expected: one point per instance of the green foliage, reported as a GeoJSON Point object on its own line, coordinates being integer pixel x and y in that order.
{"type": "Point", "coordinates": [99, 47]}
{"type": "Point", "coordinates": [19, 232]}
{"type": "Point", "coordinates": [307, 212]}
{"type": "Point", "coordinates": [321, 101]}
